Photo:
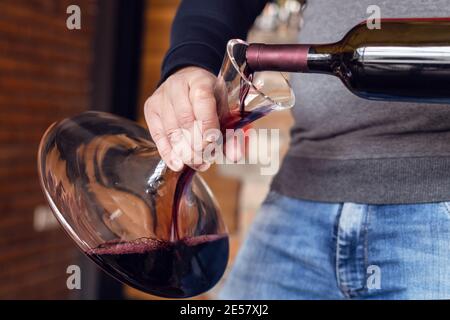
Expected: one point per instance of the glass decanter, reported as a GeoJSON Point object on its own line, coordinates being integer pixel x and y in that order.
{"type": "Point", "coordinates": [156, 230]}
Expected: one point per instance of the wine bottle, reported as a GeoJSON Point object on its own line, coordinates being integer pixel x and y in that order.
{"type": "Point", "coordinates": [407, 59]}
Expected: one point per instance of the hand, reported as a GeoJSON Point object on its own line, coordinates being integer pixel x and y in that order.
{"type": "Point", "coordinates": [181, 109]}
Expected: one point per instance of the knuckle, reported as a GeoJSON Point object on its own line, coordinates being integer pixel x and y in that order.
{"type": "Point", "coordinates": [164, 151]}
{"type": "Point", "coordinates": [174, 135]}
{"type": "Point", "coordinates": [171, 131]}
{"type": "Point", "coordinates": [203, 92]}
{"type": "Point", "coordinates": [185, 119]}
{"type": "Point", "coordinates": [150, 104]}
{"type": "Point", "coordinates": [156, 135]}
{"type": "Point", "coordinates": [210, 122]}
{"type": "Point", "coordinates": [151, 120]}
{"type": "Point", "coordinates": [176, 78]}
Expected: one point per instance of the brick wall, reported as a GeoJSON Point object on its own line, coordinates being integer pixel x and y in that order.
{"type": "Point", "coordinates": [44, 76]}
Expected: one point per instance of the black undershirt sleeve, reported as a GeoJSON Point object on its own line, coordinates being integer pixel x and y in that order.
{"type": "Point", "coordinates": [201, 30]}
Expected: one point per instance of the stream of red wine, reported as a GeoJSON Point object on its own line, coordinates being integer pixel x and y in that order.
{"type": "Point", "coordinates": [233, 120]}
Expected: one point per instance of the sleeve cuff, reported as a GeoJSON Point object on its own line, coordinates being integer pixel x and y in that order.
{"type": "Point", "coordinates": [191, 54]}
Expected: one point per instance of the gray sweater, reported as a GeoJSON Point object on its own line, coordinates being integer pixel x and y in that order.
{"type": "Point", "coordinates": [348, 149]}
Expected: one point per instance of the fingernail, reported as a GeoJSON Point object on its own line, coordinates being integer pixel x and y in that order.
{"type": "Point", "coordinates": [175, 138]}
{"type": "Point", "coordinates": [176, 164]}
{"type": "Point", "coordinates": [204, 167]}
{"type": "Point", "coordinates": [210, 158]}
{"type": "Point", "coordinates": [211, 137]}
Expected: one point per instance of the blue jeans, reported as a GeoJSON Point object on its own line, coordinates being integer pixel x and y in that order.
{"type": "Point", "coordinates": [311, 250]}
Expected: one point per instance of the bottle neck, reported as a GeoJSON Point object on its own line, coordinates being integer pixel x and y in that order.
{"type": "Point", "coordinates": [322, 58]}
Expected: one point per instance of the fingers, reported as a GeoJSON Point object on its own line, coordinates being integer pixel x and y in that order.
{"type": "Point", "coordinates": [194, 108]}
{"type": "Point", "coordinates": [201, 96]}
{"type": "Point", "coordinates": [181, 115]}
{"type": "Point", "coordinates": [162, 142]}
{"type": "Point", "coordinates": [179, 143]}
{"type": "Point", "coordinates": [184, 115]}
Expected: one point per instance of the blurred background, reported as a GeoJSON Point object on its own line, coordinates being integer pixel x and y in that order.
{"type": "Point", "coordinates": [48, 72]}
